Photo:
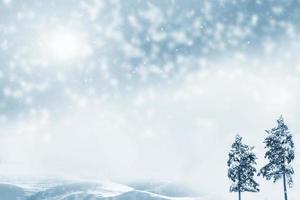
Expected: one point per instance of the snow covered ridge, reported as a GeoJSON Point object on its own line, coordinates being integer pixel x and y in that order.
{"type": "Point", "coordinates": [79, 190]}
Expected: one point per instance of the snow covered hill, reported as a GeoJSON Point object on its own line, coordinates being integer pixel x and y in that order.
{"type": "Point", "coordinates": [166, 188]}
{"type": "Point", "coordinates": [11, 192]}
{"type": "Point", "coordinates": [89, 190]}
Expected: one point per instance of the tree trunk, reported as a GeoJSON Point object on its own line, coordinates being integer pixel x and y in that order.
{"type": "Point", "coordinates": [284, 187]}
{"type": "Point", "coordinates": [239, 179]}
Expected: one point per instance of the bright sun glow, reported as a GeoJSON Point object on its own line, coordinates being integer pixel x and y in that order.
{"type": "Point", "coordinates": [63, 45]}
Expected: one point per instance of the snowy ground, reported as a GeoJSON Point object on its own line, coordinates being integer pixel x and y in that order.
{"type": "Point", "coordinates": [26, 189]}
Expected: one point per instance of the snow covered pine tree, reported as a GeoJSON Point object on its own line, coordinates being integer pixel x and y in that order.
{"type": "Point", "coordinates": [241, 168]}
{"type": "Point", "coordinates": [280, 153]}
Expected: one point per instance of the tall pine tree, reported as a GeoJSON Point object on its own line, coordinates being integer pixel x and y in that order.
{"type": "Point", "coordinates": [280, 153]}
{"type": "Point", "coordinates": [241, 168]}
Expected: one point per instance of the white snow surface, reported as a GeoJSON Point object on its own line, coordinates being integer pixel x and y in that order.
{"type": "Point", "coordinates": [34, 189]}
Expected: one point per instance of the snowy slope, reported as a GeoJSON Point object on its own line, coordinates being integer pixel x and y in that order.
{"type": "Point", "coordinates": [144, 195]}
{"type": "Point", "coordinates": [11, 192]}
{"type": "Point", "coordinates": [82, 190]}
{"type": "Point", "coordinates": [166, 188]}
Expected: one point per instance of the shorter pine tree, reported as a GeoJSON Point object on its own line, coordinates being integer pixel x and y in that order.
{"type": "Point", "coordinates": [241, 168]}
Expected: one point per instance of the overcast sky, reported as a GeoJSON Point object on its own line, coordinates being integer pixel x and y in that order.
{"type": "Point", "coordinates": [132, 90]}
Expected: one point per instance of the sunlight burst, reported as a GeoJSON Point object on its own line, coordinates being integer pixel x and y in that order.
{"type": "Point", "coordinates": [63, 44]}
